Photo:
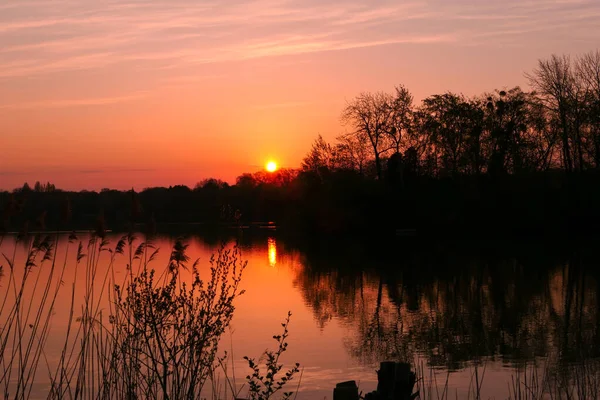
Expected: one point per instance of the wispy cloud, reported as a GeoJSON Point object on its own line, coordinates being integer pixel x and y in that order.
{"type": "Point", "coordinates": [74, 102]}
{"type": "Point", "coordinates": [113, 170]}
{"type": "Point", "coordinates": [74, 62]}
{"type": "Point", "coordinates": [290, 104]}
{"type": "Point", "coordinates": [61, 170]}
{"type": "Point", "coordinates": [39, 38]}
{"type": "Point", "coordinates": [66, 36]}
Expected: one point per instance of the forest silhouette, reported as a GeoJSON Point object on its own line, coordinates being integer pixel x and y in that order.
{"type": "Point", "coordinates": [508, 162]}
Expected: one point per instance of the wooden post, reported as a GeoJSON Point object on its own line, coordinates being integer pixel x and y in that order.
{"type": "Point", "coordinates": [385, 379]}
{"type": "Point", "coordinates": [346, 391]}
{"type": "Point", "coordinates": [395, 381]}
{"type": "Point", "coordinates": [404, 381]}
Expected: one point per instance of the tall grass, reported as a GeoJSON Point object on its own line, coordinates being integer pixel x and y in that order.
{"type": "Point", "coordinates": [26, 319]}
{"type": "Point", "coordinates": [428, 387]}
{"type": "Point", "coordinates": [577, 381]}
{"type": "Point", "coordinates": [149, 333]}
{"type": "Point", "coordinates": [530, 382]}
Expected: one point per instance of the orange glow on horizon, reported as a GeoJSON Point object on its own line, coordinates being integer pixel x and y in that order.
{"type": "Point", "coordinates": [183, 81]}
{"type": "Point", "coordinates": [271, 166]}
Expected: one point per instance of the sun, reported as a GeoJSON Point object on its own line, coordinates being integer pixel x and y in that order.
{"type": "Point", "coordinates": [271, 166]}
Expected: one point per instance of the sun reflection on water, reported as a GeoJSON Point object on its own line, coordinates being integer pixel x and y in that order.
{"type": "Point", "coordinates": [272, 249]}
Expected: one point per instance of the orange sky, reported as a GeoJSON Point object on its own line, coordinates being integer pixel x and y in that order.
{"type": "Point", "coordinates": [137, 93]}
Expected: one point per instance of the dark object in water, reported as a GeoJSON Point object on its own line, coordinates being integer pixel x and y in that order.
{"type": "Point", "coordinates": [346, 391]}
{"type": "Point", "coordinates": [406, 232]}
{"type": "Point", "coordinates": [395, 381]}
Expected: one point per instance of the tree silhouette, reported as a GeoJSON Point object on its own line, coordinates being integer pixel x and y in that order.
{"type": "Point", "coordinates": [453, 126]}
{"type": "Point", "coordinates": [401, 123]}
{"type": "Point", "coordinates": [555, 83]}
{"type": "Point", "coordinates": [370, 115]}
{"type": "Point", "coordinates": [588, 71]}
{"type": "Point", "coordinates": [320, 156]}
{"type": "Point", "coordinates": [351, 153]}
{"type": "Point", "coordinates": [514, 122]}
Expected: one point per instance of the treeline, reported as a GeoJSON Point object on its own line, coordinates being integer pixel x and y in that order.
{"type": "Point", "coordinates": [211, 203]}
{"type": "Point", "coordinates": [502, 163]}
{"type": "Point", "coordinates": [557, 125]}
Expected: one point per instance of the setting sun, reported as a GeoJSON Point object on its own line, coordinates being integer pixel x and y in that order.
{"type": "Point", "coordinates": [271, 166]}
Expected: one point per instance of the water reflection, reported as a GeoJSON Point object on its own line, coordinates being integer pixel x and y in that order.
{"type": "Point", "coordinates": [450, 305]}
{"type": "Point", "coordinates": [456, 306]}
{"type": "Point", "coordinates": [272, 249]}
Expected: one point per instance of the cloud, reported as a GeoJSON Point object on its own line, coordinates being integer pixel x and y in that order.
{"type": "Point", "coordinates": [98, 101]}
{"type": "Point", "coordinates": [73, 63]}
{"type": "Point", "coordinates": [40, 38]}
{"type": "Point", "coordinates": [112, 170]}
{"type": "Point", "coordinates": [66, 36]}
{"type": "Point", "coordinates": [290, 104]}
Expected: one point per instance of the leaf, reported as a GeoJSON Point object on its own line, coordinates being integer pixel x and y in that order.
{"type": "Point", "coordinates": [139, 251]}
{"type": "Point", "coordinates": [72, 237]}
{"type": "Point", "coordinates": [153, 255]}
{"type": "Point", "coordinates": [48, 253]}
{"type": "Point", "coordinates": [131, 238]}
{"type": "Point", "coordinates": [80, 253]}
{"type": "Point", "coordinates": [105, 242]}
{"type": "Point", "coordinates": [120, 245]}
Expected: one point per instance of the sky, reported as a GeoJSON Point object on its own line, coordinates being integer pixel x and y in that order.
{"type": "Point", "coordinates": [141, 93]}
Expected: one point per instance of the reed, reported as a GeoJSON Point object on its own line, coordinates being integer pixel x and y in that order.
{"type": "Point", "coordinates": [530, 382]}
{"type": "Point", "coordinates": [149, 333]}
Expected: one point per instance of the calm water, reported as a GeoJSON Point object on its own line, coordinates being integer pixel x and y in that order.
{"type": "Point", "coordinates": [447, 307]}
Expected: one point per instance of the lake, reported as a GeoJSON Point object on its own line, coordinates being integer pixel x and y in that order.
{"type": "Point", "coordinates": [459, 311]}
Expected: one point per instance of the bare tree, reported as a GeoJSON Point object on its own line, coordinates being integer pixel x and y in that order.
{"type": "Point", "coordinates": [319, 156]}
{"type": "Point", "coordinates": [401, 120]}
{"type": "Point", "coordinates": [369, 115]}
{"type": "Point", "coordinates": [588, 71]}
{"type": "Point", "coordinates": [588, 68]}
{"type": "Point", "coordinates": [544, 151]}
{"type": "Point", "coordinates": [555, 83]}
{"type": "Point", "coordinates": [351, 153]}
{"type": "Point", "coordinates": [515, 127]}
{"type": "Point", "coordinates": [453, 126]}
